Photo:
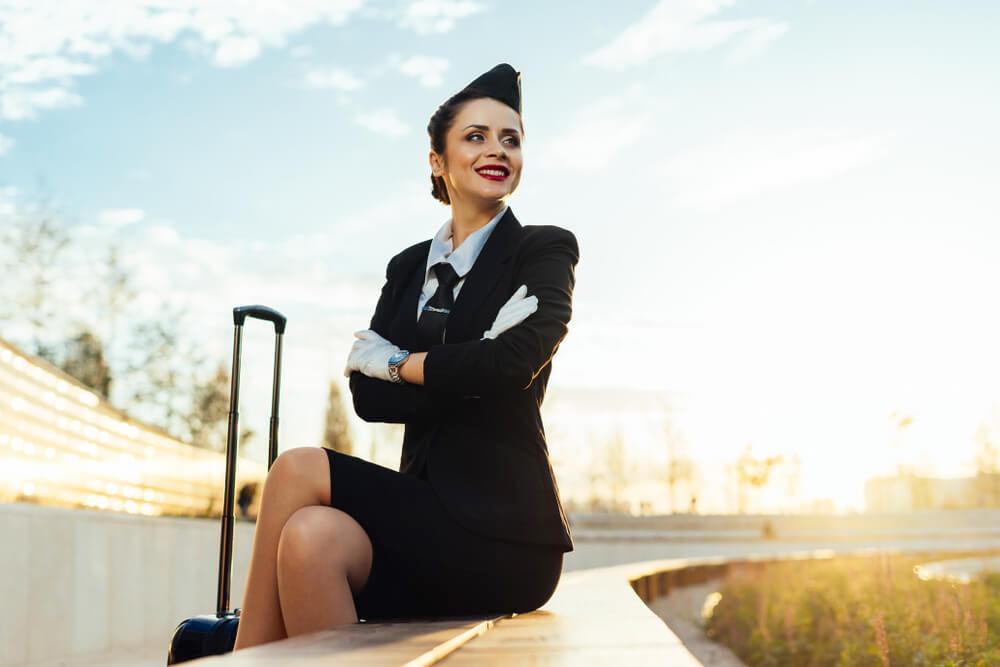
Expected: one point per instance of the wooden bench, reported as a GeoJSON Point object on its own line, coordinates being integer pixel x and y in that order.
{"type": "Point", "coordinates": [595, 617]}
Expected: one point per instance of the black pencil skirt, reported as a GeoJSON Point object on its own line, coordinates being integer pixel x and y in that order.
{"type": "Point", "coordinates": [425, 564]}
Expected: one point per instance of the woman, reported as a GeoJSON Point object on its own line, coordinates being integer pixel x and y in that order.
{"type": "Point", "coordinates": [458, 350]}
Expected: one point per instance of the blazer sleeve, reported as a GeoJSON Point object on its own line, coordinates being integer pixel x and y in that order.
{"type": "Point", "coordinates": [378, 400]}
{"type": "Point", "coordinates": [513, 360]}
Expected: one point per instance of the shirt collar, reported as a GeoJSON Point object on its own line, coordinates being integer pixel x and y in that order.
{"type": "Point", "coordinates": [462, 259]}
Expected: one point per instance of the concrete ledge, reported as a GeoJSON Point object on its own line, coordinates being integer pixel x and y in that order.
{"type": "Point", "coordinates": [75, 582]}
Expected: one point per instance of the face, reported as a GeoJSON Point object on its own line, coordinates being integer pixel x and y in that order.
{"type": "Point", "coordinates": [485, 133]}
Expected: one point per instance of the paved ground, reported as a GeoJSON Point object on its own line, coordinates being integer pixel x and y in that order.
{"type": "Point", "coordinates": [681, 610]}
{"type": "Point", "coordinates": [149, 656]}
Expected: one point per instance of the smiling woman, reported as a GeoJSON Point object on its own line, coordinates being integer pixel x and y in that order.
{"type": "Point", "coordinates": [457, 147]}
{"type": "Point", "coordinates": [472, 522]}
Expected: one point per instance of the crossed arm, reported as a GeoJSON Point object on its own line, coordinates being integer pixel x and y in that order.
{"type": "Point", "coordinates": [509, 362]}
{"type": "Point", "coordinates": [412, 370]}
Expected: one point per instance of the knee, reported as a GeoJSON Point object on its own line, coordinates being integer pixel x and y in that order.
{"type": "Point", "coordinates": [300, 467]}
{"type": "Point", "coordinates": [323, 538]}
{"type": "Point", "coordinates": [306, 537]}
{"type": "Point", "coordinates": [294, 462]}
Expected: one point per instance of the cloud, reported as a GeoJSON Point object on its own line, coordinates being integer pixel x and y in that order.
{"type": "Point", "coordinates": [48, 46]}
{"type": "Point", "coordinates": [747, 164]}
{"type": "Point", "coordinates": [428, 70]}
{"type": "Point", "coordinates": [120, 217]}
{"type": "Point", "coordinates": [43, 69]}
{"type": "Point", "coordinates": [382, 121]}
{"type": "Point", "coordinates": [332, 78]}
{"type": "Point", "coordinates": [236, 51]}
{"type": "Point", "coordinates": [680, 26]}
{"type": "Point", "coordinates": [6, 143]}
{"type": "Point", "coordinates": [21, 103]}
{"type": "Point", "coordinates": [598, 131]}
{"type": "Point", "coordinates": [436, 16]}
{"type": "Point", "coordinates": [755, 39]}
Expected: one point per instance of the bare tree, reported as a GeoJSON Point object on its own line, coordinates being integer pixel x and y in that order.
{"type": "Point", "coordinates": [752, 473]}
{"type": "Point", "coordinates": [680, 467]}
{"type": "Point", "coordinates": [793, 478]}
{"type": "Point", "coordinates": [33, 243]}
{"type": "Point", "coordinates": [162, 372]}
{"type": "Point", "coordinates": [615, 467]}
{"type": "Point", "coordinates": [113, 293]}
{"type": "Point", "coordinates": [208, 419]}
{"type": "Point", "coordinates": [987, 466]}
{"type": "Point", "coordinates": [84, 359]}
{"type": "Point", "coordinates": [594, 476]}
{"type": "Point", "coordinates": [336, 434]}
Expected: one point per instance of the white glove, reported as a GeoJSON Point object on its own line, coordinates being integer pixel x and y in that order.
{"type": "Point", "coordinates": [515, 311]}
{"type": "Point", "coordinates": [370, 355]}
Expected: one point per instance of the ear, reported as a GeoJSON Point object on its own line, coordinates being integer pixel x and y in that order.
{"type": "Point", "coordinates": [436, 163]}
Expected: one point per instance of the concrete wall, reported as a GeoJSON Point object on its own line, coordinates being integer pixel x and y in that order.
{"type": "Point", "coordinates": [79, 581]}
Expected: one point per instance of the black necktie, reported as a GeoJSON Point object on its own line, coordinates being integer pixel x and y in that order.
{"type": "Point", "coordinates": [434, 316]}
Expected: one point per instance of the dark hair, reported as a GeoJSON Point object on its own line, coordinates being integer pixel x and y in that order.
{"type": "Point", "coordinates": [438, 127]}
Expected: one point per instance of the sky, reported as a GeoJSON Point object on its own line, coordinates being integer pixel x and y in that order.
{"type": "Point", "coordinates": [787, 211]}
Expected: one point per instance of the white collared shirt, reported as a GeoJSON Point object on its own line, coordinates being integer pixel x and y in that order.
{"type": "Point", "coordinates": [461, 260]}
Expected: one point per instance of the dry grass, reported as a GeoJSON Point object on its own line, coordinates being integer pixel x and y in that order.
{"type": "Point", "coordinates": [857, 611]}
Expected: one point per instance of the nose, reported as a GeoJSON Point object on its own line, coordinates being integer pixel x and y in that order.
{"type": "Point", "coordinates": [497, 149]}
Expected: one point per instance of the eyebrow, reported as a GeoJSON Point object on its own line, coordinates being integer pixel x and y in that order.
{"type": "Point", "coordinates": [486, 127]}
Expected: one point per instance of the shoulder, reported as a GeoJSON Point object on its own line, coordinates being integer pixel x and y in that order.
{"type": "Point", "coordinates": [542, 238]}
{"type": "Point", "coordinates": [408, 257]}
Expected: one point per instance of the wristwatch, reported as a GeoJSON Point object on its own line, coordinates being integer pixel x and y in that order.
{"type": "Point", "coordinates": [395, 361]}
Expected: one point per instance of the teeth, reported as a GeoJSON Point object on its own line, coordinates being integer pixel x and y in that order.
{"type": "Point", "coordinates": [492, 172]}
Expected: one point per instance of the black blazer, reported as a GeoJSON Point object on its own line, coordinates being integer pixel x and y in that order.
{"type": "Point", "coordinates": [474, 429]}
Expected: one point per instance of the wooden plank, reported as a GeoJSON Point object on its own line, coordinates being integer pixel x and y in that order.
{"type": "Point", "coordinates": [411, 643]}
{"type": "Point", "coordinates": [594, 618]}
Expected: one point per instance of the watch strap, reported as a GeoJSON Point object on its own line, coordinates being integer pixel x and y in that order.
{"type": "Point", "coordinates": [394, 367]}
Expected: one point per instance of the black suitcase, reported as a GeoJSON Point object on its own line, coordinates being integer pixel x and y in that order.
{"type": "Point", "coordinates": [212, 634]}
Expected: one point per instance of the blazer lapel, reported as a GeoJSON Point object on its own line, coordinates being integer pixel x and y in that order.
{"type": "Point", "coordinates": [409, 289]}
{"type": "Point", "coordinates": [481, 278]}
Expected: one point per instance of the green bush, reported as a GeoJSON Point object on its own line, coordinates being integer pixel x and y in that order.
{"type": "Point", "coordinates": [856, 611]}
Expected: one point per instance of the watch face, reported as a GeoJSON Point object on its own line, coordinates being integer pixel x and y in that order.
{"type": "Point", "coordinates": [397, 357]}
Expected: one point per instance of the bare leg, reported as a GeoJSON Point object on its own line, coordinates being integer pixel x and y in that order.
{"type": "Point", "coordinates": [324, 555]}
{"type": "Point", "coordinates": [300, 477]}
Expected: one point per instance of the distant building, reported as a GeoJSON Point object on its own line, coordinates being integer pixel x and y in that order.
{"type": "Point", "coordinates": [905, 493]}
{"type": "Point", "coordinates": [63, 445]}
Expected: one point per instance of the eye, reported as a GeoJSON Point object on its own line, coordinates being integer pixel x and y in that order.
{"type": "Point", "coordinates": [514, 141]}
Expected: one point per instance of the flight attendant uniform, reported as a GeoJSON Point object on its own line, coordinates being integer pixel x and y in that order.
{"type": "Point", "coordinates": [471, 523]}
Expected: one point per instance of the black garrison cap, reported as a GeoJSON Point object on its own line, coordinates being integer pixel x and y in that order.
{"type": "Point", "coordinates": [502, 83]}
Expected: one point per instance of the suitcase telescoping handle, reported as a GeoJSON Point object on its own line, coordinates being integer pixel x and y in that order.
{"type": "Point", "coordinates": [240, 314]}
